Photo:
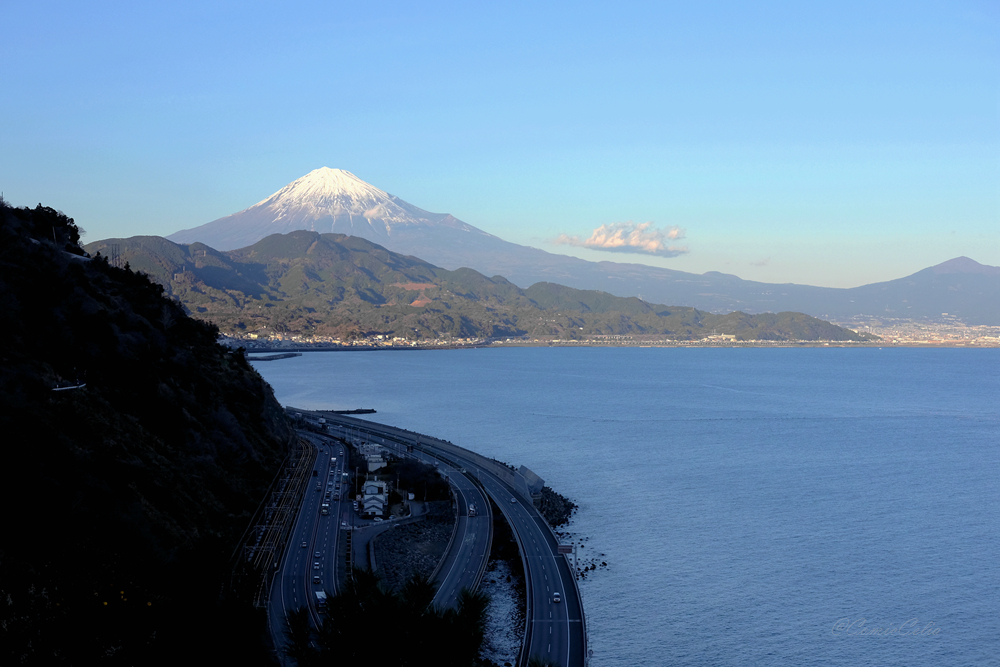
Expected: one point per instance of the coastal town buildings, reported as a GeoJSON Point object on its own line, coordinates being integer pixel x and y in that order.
{"type": "Point", "coordinates": [943, 333]}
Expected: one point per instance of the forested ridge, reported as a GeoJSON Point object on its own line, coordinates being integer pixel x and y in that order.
{"type": "Point", "coordinates": [310, 284]}
{"type": "Point", "coordinates": [125, 496]}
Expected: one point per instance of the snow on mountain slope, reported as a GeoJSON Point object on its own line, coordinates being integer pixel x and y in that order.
{"type": "Point", "coordinates": [324, 200]}
{"type": "Point", "coordinates": [335, 192]}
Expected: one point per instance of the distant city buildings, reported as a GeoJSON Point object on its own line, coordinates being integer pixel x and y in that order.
{"type": "Point", "coordinates": [948, 332]}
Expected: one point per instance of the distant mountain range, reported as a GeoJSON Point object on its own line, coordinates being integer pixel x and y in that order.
{"type": "Point", "coordinates": [336, 201]}
{"type": "Point", "coordinates": [347, 287]}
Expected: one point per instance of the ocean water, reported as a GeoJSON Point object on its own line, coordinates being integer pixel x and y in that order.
{"type": "Point", "coordinates": [754, 506]}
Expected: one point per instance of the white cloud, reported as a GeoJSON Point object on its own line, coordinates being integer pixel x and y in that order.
{"type": "Point", "coordinates": [643, 239]}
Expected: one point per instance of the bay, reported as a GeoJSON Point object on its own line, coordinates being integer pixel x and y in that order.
{"type": "Point", "coordinates": [754, 506]}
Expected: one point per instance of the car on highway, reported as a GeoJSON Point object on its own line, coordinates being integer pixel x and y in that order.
{"type": "Point", "coordinates": [305, 544]}
{"type": "Point", "coordinates": [316, 579]}
{"type": "Point", "coordinates": [316, 565]}
{"type": "Point", "coordinates": [513, 501]}
{"type": "Point", "coordinates": [316, 554]}
{"type": "Point", "coordinates": [556, 597]}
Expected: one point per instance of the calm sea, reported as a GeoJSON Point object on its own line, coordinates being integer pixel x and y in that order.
{"type": "Point", "coordinates": [754, 506]}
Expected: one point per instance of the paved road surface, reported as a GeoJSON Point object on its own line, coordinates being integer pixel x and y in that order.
{"type": "Point", "coordinates": [555, 631]}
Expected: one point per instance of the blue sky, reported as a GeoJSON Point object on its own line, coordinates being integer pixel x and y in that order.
{"type": "Point", "coordinates": [832, 144]}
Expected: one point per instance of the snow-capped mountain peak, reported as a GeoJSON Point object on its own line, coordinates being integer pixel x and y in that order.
{"type": "Point", "coordinates": [324, 200]}
{"type": "Point", "coordinates": [334, 192]}
{"type": "Point", "coordinates": [325, 187]}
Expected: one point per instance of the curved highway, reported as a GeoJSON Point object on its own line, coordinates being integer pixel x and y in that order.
{"type": "Point", "coordinates": [464, 563]}
{"type": "Point", "coordinates": [555, 629]}
{"type": "Point", "coordinates": [310, 563]}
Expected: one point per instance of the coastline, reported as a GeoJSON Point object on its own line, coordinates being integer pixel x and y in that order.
{"type": "Point", "coordinates": [322, 347]}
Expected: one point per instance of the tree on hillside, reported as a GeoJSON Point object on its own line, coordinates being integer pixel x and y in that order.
{"type": "Point", "coordinates": [299, 638]}
{"type": "Point", "coordinates": [361, 618]}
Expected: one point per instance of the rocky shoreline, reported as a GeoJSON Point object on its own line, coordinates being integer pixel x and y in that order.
{"type": "Point", "coordinates": [556, 508]}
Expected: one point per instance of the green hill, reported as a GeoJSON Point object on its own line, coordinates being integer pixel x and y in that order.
{"type": "Point", "coordinates": [341, 286]}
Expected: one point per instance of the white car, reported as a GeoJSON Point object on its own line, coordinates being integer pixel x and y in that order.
{"type": "Point", "coordinates": [556, 597]}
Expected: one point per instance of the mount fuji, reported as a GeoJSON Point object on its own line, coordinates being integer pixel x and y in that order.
{"type": "Point", "coordinates": [336, 201]}
{"type": "Point", "coordinates": [328, 201]}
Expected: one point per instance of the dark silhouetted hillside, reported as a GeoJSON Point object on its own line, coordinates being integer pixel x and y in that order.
{"type": "Point", "coordinates": [124, 498]}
